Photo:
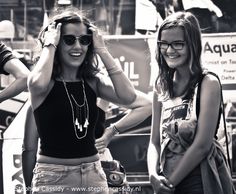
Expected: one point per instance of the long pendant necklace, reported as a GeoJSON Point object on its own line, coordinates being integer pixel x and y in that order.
{"type": "Point", "coordinates": [80, 127]}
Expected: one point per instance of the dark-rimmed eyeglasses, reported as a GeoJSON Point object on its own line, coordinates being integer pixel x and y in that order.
{"type": "Point", "coordinates": [177, 45]}
{"type": "Point", "coordinates": [70, 40]}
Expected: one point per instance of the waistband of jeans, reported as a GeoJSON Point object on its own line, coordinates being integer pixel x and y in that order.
{"type": "Point", "coordinates": [67, 161]}
{"type": "Point", "coordinates": [60, 167]}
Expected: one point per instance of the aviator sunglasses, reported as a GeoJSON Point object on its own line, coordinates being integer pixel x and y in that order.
{"type": "Point", "coordinates": [84, 40]}
{"type": "Point", "coordinates": [177, 45]}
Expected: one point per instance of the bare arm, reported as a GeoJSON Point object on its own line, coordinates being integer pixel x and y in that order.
{"type": "Point", "coordinates": [209, 110]}
{"type": "Point", "coordinates": [20, 72]}
{"type": "Point", "coordinates": [121, 85]}
{"type": "Point", "coordinates": [154, 144]}
{"type": "Point", "coordinates": [30, 146]}
{"type": "Point", "coordinates": [140, 109]}
{"type": "Point", "coordinates": [154, 149]}
{"type": "Point", "coordinates": [40, 76]}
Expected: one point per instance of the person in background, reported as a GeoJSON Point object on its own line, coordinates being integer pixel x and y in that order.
{"type": "Point", "coordinates": [10, 64]}
{"type": "Point", "coordinates": [64, 86]}
{"type": "Point", "coordinates": [184, 156]}
{"type": "Point", "coordinates": [29, 149]}
{"type": "Point", "coordinates": [205, 11]}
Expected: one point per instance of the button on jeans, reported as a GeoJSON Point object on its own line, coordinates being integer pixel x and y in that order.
{"type": "Point", "coordinates": [86, 178]}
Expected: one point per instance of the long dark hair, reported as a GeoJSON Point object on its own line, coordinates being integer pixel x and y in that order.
{"type": "Point", "coordinates": [72, 15]}
{"type": "Point", "coordinates": [192, 34]}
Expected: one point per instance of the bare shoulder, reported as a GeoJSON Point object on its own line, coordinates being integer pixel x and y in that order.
{"type": "Point", "coordinates": [210, 83]}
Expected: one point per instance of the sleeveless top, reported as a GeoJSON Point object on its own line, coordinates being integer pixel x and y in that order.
{"type": "Point", "coordinates": [55, 126]}
{"type": "Point", "coordinates": [100, 124]}
{"type": "Point", "coordinates": [5, 55]}
{"type": "Point", "coordinates": [178, 127]}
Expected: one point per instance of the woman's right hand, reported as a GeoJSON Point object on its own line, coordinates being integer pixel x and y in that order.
{"type": "Point", "coordinates": [52, 35]}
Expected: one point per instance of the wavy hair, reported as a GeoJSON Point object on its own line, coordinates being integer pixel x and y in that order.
{"type": "Point", "coordinates": [72, 15]}
{"type": "Point", "coordinates": [192, 35]}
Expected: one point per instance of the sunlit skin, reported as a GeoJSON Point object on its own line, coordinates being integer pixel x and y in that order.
{"type": "Point", "coordinates": [174, 58]}
{"type": "Point", "coordinates": [72, 56]}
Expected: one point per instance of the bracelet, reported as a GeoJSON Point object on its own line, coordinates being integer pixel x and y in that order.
{"type": "Point", "coordinates": [100, 48]}
{"type": "Point", "coordinates": [168, 184]}
{"type": "Point", "coordinates": [116, 71]}
{"type": "Point", "coordinates": [48, 44]}
{"type": "Point", "coordinates": [114, 129]}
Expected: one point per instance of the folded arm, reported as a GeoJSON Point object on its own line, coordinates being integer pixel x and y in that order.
{"type": "Point", "coordinates": [20, 72]}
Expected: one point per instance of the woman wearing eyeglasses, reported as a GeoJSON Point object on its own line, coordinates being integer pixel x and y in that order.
{"type": "Point", "coordinates": [184, 156]}
{"type": "Point", "coordinates": [64, 86]}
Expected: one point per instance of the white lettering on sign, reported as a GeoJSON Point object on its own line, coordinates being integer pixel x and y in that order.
{"type": "Point", "coordinates": [219, 48]}
{"type": "Point", "coordinates": [129, 71]}
{"type": "Point", "coordinates": [219, 55]}
{"type": "Point", "coordinates": [17, 176]}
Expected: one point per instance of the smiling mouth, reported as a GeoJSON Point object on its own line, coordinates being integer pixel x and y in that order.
{"type": "Point", "coordinates": [172, 57]}
{"type": "Point", "coordinates": [75, 54]}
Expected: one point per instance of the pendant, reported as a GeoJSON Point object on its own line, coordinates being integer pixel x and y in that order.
{"type": "Point", "coordinates": [78, 125]}
{"type": "Point", "coordinates": [80, 128]}
{"type": "Point", "coordinates": [86, 123]}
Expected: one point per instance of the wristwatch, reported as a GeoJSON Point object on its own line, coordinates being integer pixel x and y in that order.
{"type": "Point", "coordinates": [47, 44]}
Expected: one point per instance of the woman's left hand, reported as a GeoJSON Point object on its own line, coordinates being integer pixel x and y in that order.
{"type": "Point", "coordinates": [98, 40]}
{"type": "Point", "coordinates": [158, 185]}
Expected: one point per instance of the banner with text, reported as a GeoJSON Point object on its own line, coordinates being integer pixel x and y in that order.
{"type": "Point", "coordinates": [219, 56]}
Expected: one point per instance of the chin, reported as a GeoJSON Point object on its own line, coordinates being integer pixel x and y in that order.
{"type": "Point", "coordinates": [173, 66]}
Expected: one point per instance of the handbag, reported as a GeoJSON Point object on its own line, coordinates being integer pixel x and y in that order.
{"type": "Point", "coordinates": [115, 173]}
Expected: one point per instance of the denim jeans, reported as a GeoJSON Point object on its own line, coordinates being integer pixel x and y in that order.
{"type": "Point", "coordinates": [85, 178]}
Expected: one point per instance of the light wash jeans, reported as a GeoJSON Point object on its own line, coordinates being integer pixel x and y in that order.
{"type": "Point", "coordinates": [86, 178]}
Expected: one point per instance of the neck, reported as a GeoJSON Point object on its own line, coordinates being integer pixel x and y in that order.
{"type": "Point", "coordinates": [181, 81]}
{"type": "Point", "coordinates": [69, 77]}
{"type": "Point", "coordinates": [182, 75]}
{"type": "Point", "coordinates": [69, 74]}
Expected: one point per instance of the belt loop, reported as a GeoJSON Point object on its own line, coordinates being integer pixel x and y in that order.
{"type": "Point", "coordinates": [95, 164]}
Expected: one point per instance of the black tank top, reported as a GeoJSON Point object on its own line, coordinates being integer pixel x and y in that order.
{"type": "Point", "coordinates": [101, 123]}
{"type": "Point", "coordinates": [54, 122]}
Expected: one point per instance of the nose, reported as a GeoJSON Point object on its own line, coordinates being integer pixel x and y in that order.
{"type": "Point", "coordinates": [77, 43]}
{"type": "Point", "coordinates": [170, 49]}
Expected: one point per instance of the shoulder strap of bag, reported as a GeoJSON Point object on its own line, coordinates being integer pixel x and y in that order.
{"type": "Point", "coordinates": [221, 111]}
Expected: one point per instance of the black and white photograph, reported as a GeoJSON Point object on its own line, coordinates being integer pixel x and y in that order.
{"type": "Point", "coordinates": [117, 97]}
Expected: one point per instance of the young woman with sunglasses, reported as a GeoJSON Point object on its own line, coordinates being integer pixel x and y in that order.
{"type": "Point", "coordinates": [64, 86]}
{"type": "Point", "coordinates": [137, 112]}
{"type": "Point", "coordinates": [184, 156]}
